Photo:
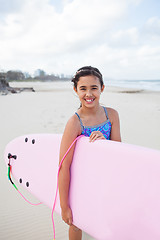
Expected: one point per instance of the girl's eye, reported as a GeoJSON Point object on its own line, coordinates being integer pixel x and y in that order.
{"type": "Point", "coordinates": [94, 88]}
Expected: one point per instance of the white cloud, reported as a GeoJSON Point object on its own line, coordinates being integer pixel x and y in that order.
{"type": "Point", "coordinates": [126, 37]}
{"type": "Point", "coordinates": [152, 27]}
{"type": "Point", "coordinates": [85, 32]}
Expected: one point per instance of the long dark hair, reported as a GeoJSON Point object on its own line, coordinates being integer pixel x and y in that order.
{"type": "Point", "coordinates": [85, 71]}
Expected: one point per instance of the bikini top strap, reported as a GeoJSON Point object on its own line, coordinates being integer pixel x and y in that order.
{"type": "Point", "coordinates": [105, 109]}
{"type": "Point", "coordinates": [82, 127]}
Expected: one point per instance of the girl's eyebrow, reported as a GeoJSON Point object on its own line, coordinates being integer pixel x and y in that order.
{"type": "Point", "coordinates": [82, 86]}
{"type": "Point", "coordinates": [85, 86]}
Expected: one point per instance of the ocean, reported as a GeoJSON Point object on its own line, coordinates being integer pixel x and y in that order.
{"type": "Point", "coordinates": [153, 85]}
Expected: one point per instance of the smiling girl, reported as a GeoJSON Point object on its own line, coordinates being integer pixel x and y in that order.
{"type": "Point", "coordinates": [91, 120]}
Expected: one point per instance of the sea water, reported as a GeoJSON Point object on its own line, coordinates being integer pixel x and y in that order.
{"type": "Point", "coordinates": [153, 85]}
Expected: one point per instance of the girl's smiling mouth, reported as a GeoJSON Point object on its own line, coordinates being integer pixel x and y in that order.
{"type": "Point", "coordinates": [89, 100]}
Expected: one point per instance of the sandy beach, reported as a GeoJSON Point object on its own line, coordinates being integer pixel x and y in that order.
{"type": "Point", "coordinates": [46, 111]}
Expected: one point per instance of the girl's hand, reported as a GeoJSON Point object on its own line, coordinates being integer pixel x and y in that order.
{"type": "Point", "coordinates": [96, 135]}
{"type": "Point", "coordinates": [67, 216]}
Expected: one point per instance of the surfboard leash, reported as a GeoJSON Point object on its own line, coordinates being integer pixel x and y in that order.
{"type": "Point", "coordinates": [10, 156]}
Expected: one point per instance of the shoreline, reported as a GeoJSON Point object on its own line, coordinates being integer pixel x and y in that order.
{"type": "Point", "coordinates": [67, 85]}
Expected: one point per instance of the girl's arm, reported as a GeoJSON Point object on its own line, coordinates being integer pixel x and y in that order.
{"type": "Point", "coordinates": [72, 130]}
{"type": "Point", "coordinates": [115, 130]}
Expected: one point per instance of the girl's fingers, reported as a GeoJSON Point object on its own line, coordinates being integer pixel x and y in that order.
{"type": "Point", "coordinates": [92, 137]}
{"type": "Point", "coordinates": [96, 135]}
{"type": "Point", "coordinates": [67, 216]}
{"type": "Point", "coordinates": [70, 222]}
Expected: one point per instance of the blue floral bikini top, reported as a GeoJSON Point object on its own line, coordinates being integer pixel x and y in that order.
{"type": "Point", "coordinates": [104, 127]}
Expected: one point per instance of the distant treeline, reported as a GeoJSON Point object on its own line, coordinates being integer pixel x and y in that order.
{"type": "Point", "coordinates": [41, 76]}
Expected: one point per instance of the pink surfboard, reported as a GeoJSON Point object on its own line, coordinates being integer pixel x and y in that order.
{"type": "Point", "coordinates": [114, 189]}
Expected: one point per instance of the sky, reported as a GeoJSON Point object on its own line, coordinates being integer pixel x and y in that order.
{"type": "Point", "coordinates": [120, 37]}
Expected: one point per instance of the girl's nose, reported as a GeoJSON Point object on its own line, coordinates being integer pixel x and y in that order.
{"type": "Point", "coordinates": [88, 93]}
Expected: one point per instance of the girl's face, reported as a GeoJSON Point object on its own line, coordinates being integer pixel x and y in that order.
{"type": "Point", "coordinates": [89, 90]}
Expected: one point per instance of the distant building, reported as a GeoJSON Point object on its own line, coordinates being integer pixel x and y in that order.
{"type": "Point", "coordinates": [39, 73]}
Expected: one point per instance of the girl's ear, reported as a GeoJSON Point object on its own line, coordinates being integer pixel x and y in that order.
{"type": "Point", "coordinates": [75, 89]}
{"type": "Point", "coordinates": [102, 88]}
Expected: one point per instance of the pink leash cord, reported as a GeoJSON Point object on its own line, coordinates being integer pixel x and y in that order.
{"type": "Point", "coordinates": [34, 204]}
{"type": "Point", "coordinates": [54, 204]}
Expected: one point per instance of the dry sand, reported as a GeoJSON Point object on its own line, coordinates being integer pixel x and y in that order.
{"type": "Point", "coordinates": [47, 111]}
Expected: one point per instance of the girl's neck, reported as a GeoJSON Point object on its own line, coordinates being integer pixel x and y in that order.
{"type": "Point", "coordinates": [90, 111]}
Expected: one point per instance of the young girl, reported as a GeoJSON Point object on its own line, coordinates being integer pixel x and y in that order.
{"type": "Point", "coordinates": [91, 120]}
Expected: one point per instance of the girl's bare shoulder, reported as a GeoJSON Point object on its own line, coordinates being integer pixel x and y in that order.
{"type": "Point", "coordinates": [73, 124]}
{"type": "Point", "coordinates": [111, 111]}
{"type": "Point", "coordinates": [112, 114]}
